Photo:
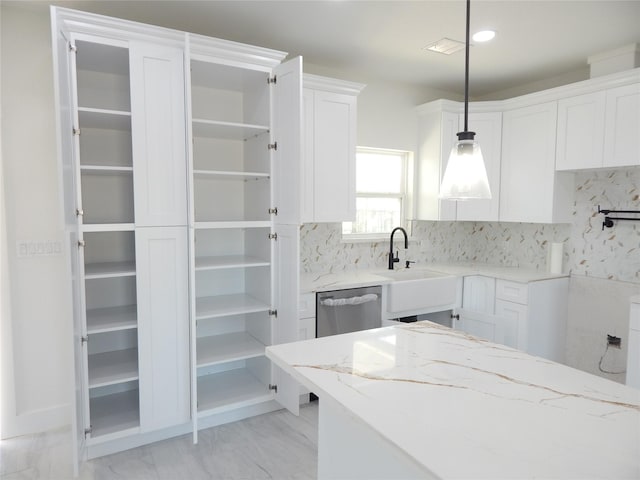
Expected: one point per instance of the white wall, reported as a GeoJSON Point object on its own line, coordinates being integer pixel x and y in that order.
{"type": "Point", "coordinates": [35, 324]}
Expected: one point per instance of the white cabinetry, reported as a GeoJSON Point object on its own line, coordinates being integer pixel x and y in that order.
{"type": "Point", "coordinates": [621, 146]}
{"type": "Point", "coordinates": [438, 123]}
{"type": "Point", "coordinates": [527, 316]}
{"type": "Point", "coordinates": [530, 188]}
{"type": "Point", "coordinates": [633, 345]}
{"type": "Point", "coordinates": [596, 130]}
{"type": "Point", "coordinates": [329, 162]}
{"type": "Point", "coordinates": [175, 150]}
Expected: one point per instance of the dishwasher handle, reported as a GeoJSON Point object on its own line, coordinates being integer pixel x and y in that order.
{"type": "Point", "coordinates": [339, 302]}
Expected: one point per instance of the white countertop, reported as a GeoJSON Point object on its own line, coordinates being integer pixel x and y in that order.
{"type": "Point", "coordinates": [321, 282]}
{"type": "Point", "coordinates": [466, 408]}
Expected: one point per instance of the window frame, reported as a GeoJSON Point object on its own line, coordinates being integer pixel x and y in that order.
{"type": "Point", "coordinates": [405, 195]}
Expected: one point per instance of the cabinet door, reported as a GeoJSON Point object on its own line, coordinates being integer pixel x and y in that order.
{"type": "Point", "coordinates": [306, 165]}
{"type": "Point", "coordinates": [488, 128]}
{"type": "Point", "coordinates": [158, 135]}
{"type": "Point", "coordinates": [621, 146]}
{"type": "Point", "coordinates": [511, 328]}
{"type": "Point", "coordinates": [633, 347]}
{"type": "Point", "coordinates": [482, 325]}
{"type": "Point", "coordinates": [479, 293]}
{"type": "Point", "coordinates": [163, 326]}
{"type": "Point", "coordinates": [286, 294]}
{"type": "Point", "coordinates": [528, 164]}
{"type": "Point", "coordinates": [581, 128]}
{"type": "Point", "coordinates": [334, 157]}
{"type": "Point", "coordinates": [287, 125]}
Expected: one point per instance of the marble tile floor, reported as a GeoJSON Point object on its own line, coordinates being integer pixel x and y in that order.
{"type": "Point", "coordinates": [276, 445]}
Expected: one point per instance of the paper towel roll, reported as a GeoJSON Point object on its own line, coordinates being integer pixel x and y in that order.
{"type": "Point", "coordinates": [554, 263]}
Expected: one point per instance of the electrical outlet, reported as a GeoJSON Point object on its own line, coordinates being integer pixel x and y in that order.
{"type": "Point", "coordinates": [614, 341]}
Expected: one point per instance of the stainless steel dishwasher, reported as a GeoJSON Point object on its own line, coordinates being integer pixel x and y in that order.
{"type": "Point", "coordinates": [350, 310]}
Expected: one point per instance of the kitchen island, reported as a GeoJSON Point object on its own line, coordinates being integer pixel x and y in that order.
{"type": "Point", "coordinates": [424, 401]}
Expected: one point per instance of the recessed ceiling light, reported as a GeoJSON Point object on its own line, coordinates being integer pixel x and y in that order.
{"type": "Point", "coordinates": [483, 36]}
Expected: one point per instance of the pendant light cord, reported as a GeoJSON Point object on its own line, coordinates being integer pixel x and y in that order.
{"type": "Point", "coordinates": [466, 71]}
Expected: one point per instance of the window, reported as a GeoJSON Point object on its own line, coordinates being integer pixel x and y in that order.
{"type": "Point", "coordinates": [381, 193]}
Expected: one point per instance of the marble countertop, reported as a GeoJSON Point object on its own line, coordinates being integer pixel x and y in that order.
{"type": "Point", "coordinates": [321, 282]}
{"type": "Point", "coordinates": [466, 408]}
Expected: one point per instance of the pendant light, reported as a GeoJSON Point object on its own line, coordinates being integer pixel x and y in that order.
{"type": "Point", "coordinates": [466, 176]}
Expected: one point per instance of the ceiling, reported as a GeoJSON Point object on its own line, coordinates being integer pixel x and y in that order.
{"type": "Point", "coordinates": [383, 40]}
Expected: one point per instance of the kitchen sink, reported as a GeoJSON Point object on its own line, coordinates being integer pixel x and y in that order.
{"type": "Point", "coordinates": [416, 289]}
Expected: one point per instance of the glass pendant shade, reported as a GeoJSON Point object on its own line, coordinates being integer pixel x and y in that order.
{"type": "Point", "coordinates": [465, 177]}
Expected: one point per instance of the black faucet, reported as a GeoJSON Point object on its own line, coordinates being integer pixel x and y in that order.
{"type": "Point", "coordinates": [395, 259]}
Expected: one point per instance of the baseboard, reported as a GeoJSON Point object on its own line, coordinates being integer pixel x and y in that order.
{"type": "Point", "coordinates": [35, 422]}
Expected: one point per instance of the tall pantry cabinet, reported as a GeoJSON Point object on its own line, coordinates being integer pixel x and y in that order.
{"type": "Point", "coordinates": [176, 153]}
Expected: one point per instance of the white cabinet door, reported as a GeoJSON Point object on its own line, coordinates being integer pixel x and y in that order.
{"type": "Point", "coordinates": [478, 324]}
{"type": "Point", "coordinates": [287, 125]}
{"type": "Point", "coordinates": [478, 294]}
{"type": "Point", "coordinates": [581, 128]}
{"type": "Point", "coordinates": [307, 181]}
{"type": "Point", "coordinates": [437, 135]}
{"type": "Point", "coordinates": [633, 347]}
{"type": "Point", "coordinates": [158, 135]}
{"type": "Point", "coordinates": [621, 145]}
{"type": "Point", "coordinates": [530, 189]}
{"type": "Point", "coordinates": [511, 330]}
{"type": "Point", "coordinates": [163, 326]}
{"type": "Point", "coordinates": [286, 293]}
{"type": "Point", "coordinates": [334, 157]}
{"type": "Point", "coordinates": [488, 128]}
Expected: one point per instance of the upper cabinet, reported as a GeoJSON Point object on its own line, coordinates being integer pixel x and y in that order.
{"type": "Point", "coordinates": [328, 173]}
{"type": "Point", "coordinates": [438, 123]}
{"type": "Point", "coordinates": [599, 129]}
{"type": "Point", "coordinates": [530, 189]}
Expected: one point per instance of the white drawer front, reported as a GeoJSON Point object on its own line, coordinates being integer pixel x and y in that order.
{"type": "Point", "coordinates": [512, 291]}
{"type": "Point", "coordinates": [307, 307]}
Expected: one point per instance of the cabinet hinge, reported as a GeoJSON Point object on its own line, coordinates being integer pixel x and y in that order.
{"type": "Point", "coordinates": [273, 313]}
{"type": "Point", "coordinates": [273, 211]}
{"type": "Point", "coordinates": [272, 80]}
{"type": "Point", "coordinates": [73, 48]}
{"type": "Point", "coordinates": [87, 431]}
{"type": "Point", "coordinates": [455, 316]}
{"type": "Point", "coordinates": [273, 236]}
{"type": "Point", "coordinates": [81, 243]}
{"type": "Point", "coordinates": [272, 146]}
{"type": "Point", "coordinates": [273, 387]}
{"type": "Point", "coordinates": [84, 339]}
{"type": "Point", "coordinates": [75, 130]}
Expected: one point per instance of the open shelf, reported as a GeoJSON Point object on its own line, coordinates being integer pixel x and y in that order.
{"type": "Point", "coordinates": [114, 413]}
{"type": "Point", "coordinates": [225, 305]}
{"type": "Point", "coordinates": [228, 175]}
{"type": "Point", "coordinates": [229, 390]}
{"type": "Point", "coordinates": [234, 224]}
{"type": "Point", "coordinates": [227, 130]}
{"type": "Point", "coordinates": [105, 169]}
{"type": "Point", "coordinates": [217, 349]}
{"type": "Point", "coordinates": [229, 261]}
{"type": "Point", "coordinates": [109, 269]}
{"type": "Point", "coordinates": [104, 119]}
{"type": "Point", "coordinates": [108, 227]}
{"type": "Point", "coordinates": [109, 368]}
{"type": "Point", "coordinates": [111, 319]}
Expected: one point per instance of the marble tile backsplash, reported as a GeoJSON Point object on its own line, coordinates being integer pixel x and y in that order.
{"type": "Point", "coordinates": [588, 250]}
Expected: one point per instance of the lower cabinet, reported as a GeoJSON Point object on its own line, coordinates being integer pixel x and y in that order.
{"type": "Point", "coordinates": [633, 346]}
{"type": "Point", "coordinates": [307, 327]}
{"type": "Point", "coordinates": [527, 316]}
